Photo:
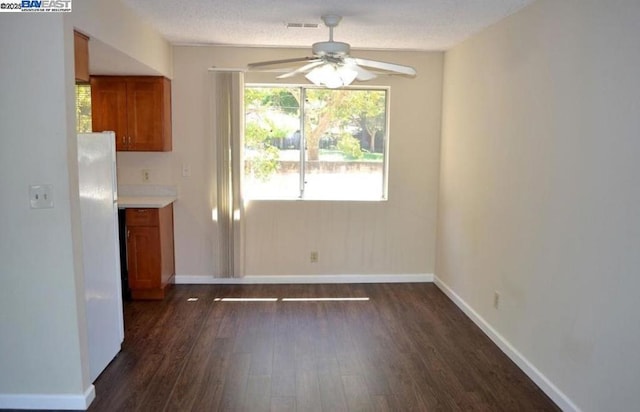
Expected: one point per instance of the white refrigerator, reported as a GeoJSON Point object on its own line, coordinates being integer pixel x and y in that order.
{"type": "Point", "coordinates": [100, 245]}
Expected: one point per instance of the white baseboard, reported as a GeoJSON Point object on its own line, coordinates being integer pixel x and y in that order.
{"type": "Point", "coordinates": [49, 401]}
{"type": "Point", "coordinates": [523, 363]}
{"type": "Point", "coordinates": [309, 279]}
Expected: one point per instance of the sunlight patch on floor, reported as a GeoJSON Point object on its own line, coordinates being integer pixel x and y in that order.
{"type": "Point", "coordinates": [245, 300]}
{"type": "Point", "coordinates": [338, 299]}
{"type": "Point", "coordinates": [324, 299]}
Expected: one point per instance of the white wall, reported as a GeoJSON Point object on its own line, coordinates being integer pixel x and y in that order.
{"type": "Point", "coordinates": [393, 237]}
{"type": "Point", "coordinates": [122, 31]}
{"type": "Point", "coordinates": [42, 322]}
{"type": "Point", "coordinates": [539, 191]}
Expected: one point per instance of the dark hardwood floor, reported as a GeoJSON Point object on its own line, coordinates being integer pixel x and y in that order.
{"type": "Point", "coordinates": [407, 348]}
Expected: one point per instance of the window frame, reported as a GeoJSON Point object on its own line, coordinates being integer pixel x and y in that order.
{"type": "Point", "coordinates": [384, 195]}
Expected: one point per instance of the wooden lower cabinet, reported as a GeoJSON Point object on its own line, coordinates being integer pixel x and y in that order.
{"type": "Point", "coordinates": [150, 254]}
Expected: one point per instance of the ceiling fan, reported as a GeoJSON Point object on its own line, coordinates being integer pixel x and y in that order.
{"type": "Point", "coordinates": [331, 64]}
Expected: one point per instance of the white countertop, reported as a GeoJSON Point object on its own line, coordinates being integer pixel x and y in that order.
{"type": "Point", "coordinates": [145, 201]}
{"type": "Point", "coordinates": [146, 196]}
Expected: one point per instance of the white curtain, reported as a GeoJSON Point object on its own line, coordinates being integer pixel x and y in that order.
{"type": "Point", "coordinates": [228, 125]}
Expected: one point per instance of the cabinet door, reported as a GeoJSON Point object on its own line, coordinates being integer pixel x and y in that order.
{"type": "Point", "coordinates": [109, 108]}
{"type": "Point", "coordinates": [143, 259]}
{"type": "Point", "coordinates": [144, 114]}
{"type": "Point", "coordinates": [81, 57]}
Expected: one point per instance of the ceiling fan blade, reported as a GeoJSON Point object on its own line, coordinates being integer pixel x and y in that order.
{"type": "Point", "coordinates": [258, 65]}
{"type": "Point", "coordinates": [302, 69]}
{"type": "Point", "coordinates": [390, 67]}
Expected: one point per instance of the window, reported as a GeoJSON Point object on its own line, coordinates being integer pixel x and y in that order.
{"type": "Point", "coordinates": [312, 143]}
{"type": "Point", "coordinates": [83, 108]}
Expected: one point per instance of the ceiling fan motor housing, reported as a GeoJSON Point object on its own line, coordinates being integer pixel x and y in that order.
{"type": "Point", "coordinates": [331, 48]}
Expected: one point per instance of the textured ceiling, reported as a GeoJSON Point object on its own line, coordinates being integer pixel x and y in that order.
{"type": "Point", "coordinates": [366, 24]}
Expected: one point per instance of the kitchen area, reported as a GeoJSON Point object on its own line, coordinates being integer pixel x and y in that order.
{"type": "Point", "coordinates": [127, 222]}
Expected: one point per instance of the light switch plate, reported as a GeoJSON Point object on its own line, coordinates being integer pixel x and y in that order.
{"type": "Point", "coordinates": [41, 196]}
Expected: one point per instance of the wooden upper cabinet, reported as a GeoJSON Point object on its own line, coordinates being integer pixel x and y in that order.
{"type": "Point", "coordinates": [136, 108]}
{"type": "Point", "coordinates": [81, 57]}
{"type": "Point", "coordinates": [109, 108]}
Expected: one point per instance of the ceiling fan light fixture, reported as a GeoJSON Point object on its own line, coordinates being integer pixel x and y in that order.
{"type": "Point", "coordinates": [347, 74]}
{"type": "Point", "coordinates": [332, 76]}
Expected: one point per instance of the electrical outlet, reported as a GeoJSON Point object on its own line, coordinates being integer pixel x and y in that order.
{"type": "Point", "coordinates": [146, 175]}
{"type": "Point", "coordinates": [496, 299]}
{"type": "Point", "coordinates": [313, 257]}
